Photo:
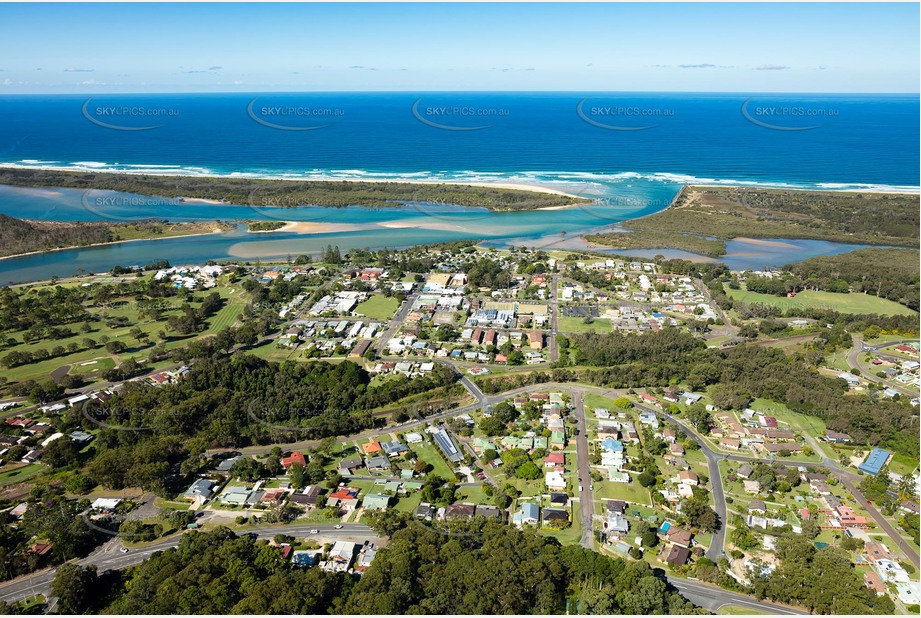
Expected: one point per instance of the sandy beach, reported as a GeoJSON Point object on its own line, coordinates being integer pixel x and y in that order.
{"type": "Point", "coordinates": [879, 190]}
{"type": "Point", "coordinates": [313, 227]}
{"type": "Point", "coordinates": [764, 243]}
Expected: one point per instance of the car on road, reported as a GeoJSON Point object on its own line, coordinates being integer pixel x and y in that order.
{"type": "Point", "coordinates": [314, 531]}
{"type": "Point", "coordinates": [580, 488]}
{"type": "Point", "coordinates": [123, 550]}
{"type": "Point", "coordinates": [338, 526]}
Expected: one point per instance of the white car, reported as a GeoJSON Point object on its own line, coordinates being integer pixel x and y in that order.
{"type": "Point", "coordinates": [123, 550]}
{"type": "Point", "coordinates": [314, 531]}
{"type": "Point", "coordinates": [338, 526]}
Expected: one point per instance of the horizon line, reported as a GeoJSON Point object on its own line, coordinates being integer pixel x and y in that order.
{"type": "Point", "coordinates": [473, 91]}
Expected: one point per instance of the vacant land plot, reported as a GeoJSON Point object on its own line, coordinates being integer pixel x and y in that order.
{"type": "Point", "coordinates": [378, 307]}
{"type": "Point", "coordinates": [430, 455]}
{"type": "Point", "coordinates": [577, 325]}
{"type": "Point", "coordinates": [843, 303]}
{"type": "Point", "coordinates": [632, 492]}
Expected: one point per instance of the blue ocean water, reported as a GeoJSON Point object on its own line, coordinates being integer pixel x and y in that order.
{"type": "Point", "coordinates": [634, 151]}
{"type": "Point", "coordinates": [848, 141]}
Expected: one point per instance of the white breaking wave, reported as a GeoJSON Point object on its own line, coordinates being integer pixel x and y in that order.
{"type": "Point", "coordinates": [573, 180]}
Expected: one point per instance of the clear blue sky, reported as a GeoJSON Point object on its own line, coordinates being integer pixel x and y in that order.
{"type": "Point", "coordinates": [92, 48]}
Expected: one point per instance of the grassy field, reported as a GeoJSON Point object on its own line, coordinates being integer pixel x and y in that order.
{"type": "Point", "coordinates": [631, 492]}
{"type": "Point", "coordinates": [576, 325]}
{"type": "Point", "coordinates": [592, 401]}
{"type": "Point", "coordinates": [736, 610]}
{"type": "Point", "coordinates": [235, 301]}
{"type": "Point", "coordinates": [813, 425]}
{"type": "Point", "coordinates": [570, 535]}
{"type": "Point", "coordinates": [844, 303]}
{"type": "Point", "coordinates": [378, 307]}
{"type": "Point", "coordinates": [91, 367]}
{"type": "Point", "coordinates": [430, 455]}
{"type": "Point", "coordinates": [20, 473]}
{"type": "Point", "coordinates": [473, 494]}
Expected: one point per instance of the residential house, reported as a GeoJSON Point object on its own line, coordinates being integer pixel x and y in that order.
{"type": "Point", "coordinates": [448, 446]}
{"type": "Point", "coordinates": [488, 512]}
{"type": "Point", "coordinates": [558, 439]}
{"type": "Point", "coordinates": [426, 511]}
{"type": "Point", "coordinates": [616, 523]}
{"type": "Point", "coordinates": [379, 463]}
{"type": "Point", "coordinates": [375, 502]}
{"type": "Point", "coordinates": [527, 515]}
{"type": "Point", "coordinates": [348, 467]}
{"type": "Point", "coordinates": [555, 480]}
{"type": "Point", "coordinates": [679, 536]}
{"type": "Point", "coordinates": [200, 490]}
{"type": "Point", "coordinates": [365, 558]}
{"type": "Point", "coordinates": [837, 437]}
{"type": "Point", "coordinates": [394, 449]}
{"type": "Point", "coordinates": [675, 555]}
{"type": "Point", "coordinates": [820, 488]}
{"type": "Point", "coordinates": [344, 499]}
{"type": "Point", "coordinates": [340, 557]}
{"type": "Point", "coordinates": [559, 499]}
{"type": "Point", "coordinates": [751, 487]}
{"type": "Point", "coordinates": [555, 516]}
{"type": "Point", "coordinates": [309, 498]}
{"type": "Point", "coordinates": [296, 457]}
{"type": "Point", "coordinates": [458, 511]}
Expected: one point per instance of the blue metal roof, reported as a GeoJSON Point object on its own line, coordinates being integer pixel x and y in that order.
{"type": "Point", "coordinates": [875, 461]}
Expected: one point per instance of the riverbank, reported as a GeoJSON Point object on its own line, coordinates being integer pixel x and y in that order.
{"type": "Point", "coordinates": [218, 229]}
{"type": "Point", "coordinates": [710, 215]}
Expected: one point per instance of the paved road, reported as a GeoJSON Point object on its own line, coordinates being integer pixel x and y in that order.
{"type": "Point", "coordinates": [727, 329]}
{"type": "Point", "coordinates": [109, 556]}
{"type": "Point", "coordinates": [554, 306]}
{"type": "Point", "coordinates": [849, 479]}
{"type": "Point", "coordinates": [853, 361]}
{"type": "Point", "coordinates": [396, 322]}
{"type": "Point", "coordinates": [586, 500]}
{"type": "Point", "coordinates": [713, 598]}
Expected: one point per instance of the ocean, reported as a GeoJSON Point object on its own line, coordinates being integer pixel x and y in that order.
{"type": "Point", "coordinates": [634, 150]}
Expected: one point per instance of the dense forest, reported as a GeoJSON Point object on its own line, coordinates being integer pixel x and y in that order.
{"type": "Point", "coordinates": [735, 376]}
{"type": "Point", "coordinates": [231, 402]}
{"type": "Point", "coordinates": [498, 571]}
{"type": "Point", "coordinates": [19, 236]}
{"type": "Point", "coordinates": [822, 580]}
{"type": "Point", "coordinates": [291, 193]}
